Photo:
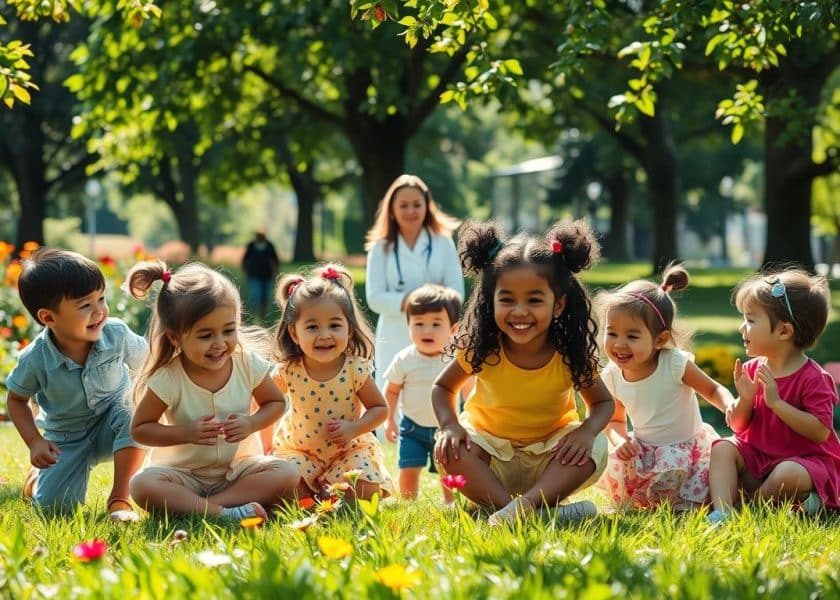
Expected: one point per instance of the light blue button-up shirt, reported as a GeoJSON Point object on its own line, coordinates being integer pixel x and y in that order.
{"type": "Point", "coordinates": [71, 396]}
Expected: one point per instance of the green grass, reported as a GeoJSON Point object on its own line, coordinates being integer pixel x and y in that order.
{"type": "Point", "coordinates": [639, 555]}
{"type": "Point", "coordinates": [456, 555]}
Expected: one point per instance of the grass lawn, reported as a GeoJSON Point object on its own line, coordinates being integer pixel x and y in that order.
{"type": "Point", "coordinates": [448, 553]}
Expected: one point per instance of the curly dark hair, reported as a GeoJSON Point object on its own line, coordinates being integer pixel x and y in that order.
{"type": "Point", "coordinates": [567, 248]}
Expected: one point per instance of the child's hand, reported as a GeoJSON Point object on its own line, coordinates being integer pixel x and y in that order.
{"type": "Point", "coordinates": [391, 431]}
{"type": "Point", "coordinates": [744, 384]}
{"type": "Point", "coordinates": [764, 378]}
{"type": "Point", "coordinates": [449, 442]}
{"type": "Point", "coordinates": [237, 427]}
{"type": "Point", "coordinates": [627, 450]}
{"type": "Point", "coordinates": [43, 453]}
{"type": "Point", "coordinates": [204, 432]}
{"type": "Point", "coordinates": [341, 432]}
{"type": "Point", "coordinates": [575, 448]}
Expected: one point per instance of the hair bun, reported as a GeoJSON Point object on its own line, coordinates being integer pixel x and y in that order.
{"type": "Point", "coordinates": [576, 243]}
{"type": "Point", "coordinates": [674, 278]}
{"type": "Point", "coordinates": [478, 245]}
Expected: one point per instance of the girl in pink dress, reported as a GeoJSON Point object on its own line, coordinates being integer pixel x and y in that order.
{"type": "Point", "coordinates": [785, 447]}
{"type": "Point", "coordinates": [655, 384]}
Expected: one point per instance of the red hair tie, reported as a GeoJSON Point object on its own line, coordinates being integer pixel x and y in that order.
{"type": "Point", "coordinates": [290, 289]}
{"type": "Point", "coordinates": [330, 273]}
{"type": "Point", "coordinates": [557, 246]}
{"type": "Point", "coordinates": [166, 276]}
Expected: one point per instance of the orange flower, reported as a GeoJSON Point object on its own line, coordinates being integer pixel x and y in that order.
{"type": "Point", "coordinates": [334, 548]}
{"type": "Point", "coordinates": [306, 502]}
{"type": "Point", "coordinates": [20, 322]}
{"type": "Point", "coordinates": [13, 271]}
{"type": "Point", "coordinates": [397, 577]}
{"type": "Point", "coordinates": [6, 332]}
{"type": "Point", "coordinates": [5, 251]}
{"type": "Point", "coordinates": [31, 246]}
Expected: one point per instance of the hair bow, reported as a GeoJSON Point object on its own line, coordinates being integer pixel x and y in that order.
{"type": "Point", "coordinates": [166, 276]}
{"type": "Point", "coordinates": [557, 246]}
{"type": "Point", "coordinates": [331, 273]}
{"type": "Point", "coordinates": [290, 289]}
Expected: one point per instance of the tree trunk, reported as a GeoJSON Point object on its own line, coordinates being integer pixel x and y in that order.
{"type": "Point", "coordinates": [380, 147]}
{"type": "Point", "coordinates": [788, 168]}
{"type": "Point", "coordinates": [29, 172]}
{"type": "Point", "coordinates": [660, 164]}
{"type": "Point", "coordinates": [308, 193]}
{"type": "Point", "coordinates": [616, 246]}
{"type": "Point", "coordinates": [180, 195]}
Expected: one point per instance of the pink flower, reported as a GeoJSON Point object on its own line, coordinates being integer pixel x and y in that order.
{"type": "Point", "coordinates": [454, 482]}
{"type": "Point", "coordinates": [90, 550]}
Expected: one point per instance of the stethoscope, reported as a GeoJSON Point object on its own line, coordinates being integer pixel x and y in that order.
{"type": "Point", "coordinates": [428, 252]}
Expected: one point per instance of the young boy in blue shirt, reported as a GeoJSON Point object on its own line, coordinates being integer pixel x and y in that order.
{"type": "Point", "coordinates": [77, 370]}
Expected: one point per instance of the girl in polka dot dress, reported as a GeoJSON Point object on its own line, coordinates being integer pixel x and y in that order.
{"type": "Point", "coordinates": [324, 345]}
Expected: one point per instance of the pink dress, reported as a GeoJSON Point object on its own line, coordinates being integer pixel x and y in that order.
{"type": "Point", "coordinates": [768, 441]}
{"type": "Point", "coordinates": [674, 443]}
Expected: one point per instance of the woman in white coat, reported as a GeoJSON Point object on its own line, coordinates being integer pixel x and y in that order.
{"type": "Point", "coordinates": [410, 244]}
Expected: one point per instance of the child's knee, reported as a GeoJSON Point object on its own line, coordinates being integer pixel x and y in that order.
{"type": "Point", "coordinates": [789, 476]}
{"type": "Point", "coordinates": [723, 452]}
{"type": "Point", "coordinates": [142, 487]}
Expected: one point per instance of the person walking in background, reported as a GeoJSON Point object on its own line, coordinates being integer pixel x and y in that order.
{"type": "Point", "coordinates": [260, 264]}
{"type": "Point", "coordinates": [410, 244]}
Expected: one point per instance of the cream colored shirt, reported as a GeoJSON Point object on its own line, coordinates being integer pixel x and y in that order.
{"type": "Point", "coordinates": [186, 402]}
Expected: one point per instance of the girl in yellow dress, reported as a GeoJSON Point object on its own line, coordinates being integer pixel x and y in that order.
{"type": "Point", "coordinates": [324, 345]}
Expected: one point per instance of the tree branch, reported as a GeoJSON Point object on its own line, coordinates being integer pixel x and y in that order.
{"type": "Point", "coordinates": [428, 104]}
{"type": "Point", "coordinates": [75, 170]}
{"type": "Point", "coordinates": [608, 125]}
{"type": "Point", "coordinates": [305, 104]}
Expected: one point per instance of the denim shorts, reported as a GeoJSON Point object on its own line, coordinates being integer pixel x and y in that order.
{"type": "Point", "coordinates": [417, 444]}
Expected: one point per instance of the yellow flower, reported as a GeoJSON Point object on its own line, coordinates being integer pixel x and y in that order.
{"type": "Point", "coordinates": [20, 322]}
{"type": "Point", "coordinates": [328, 505]}
{"type": "Point", "coordinates": [252, 522]}
{"type": "Point", "coordinates": [397, 577]}
{"type": "Point", "coordinates": [334, 548]}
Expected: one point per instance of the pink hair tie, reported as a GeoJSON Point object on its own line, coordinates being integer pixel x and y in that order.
{"type": "Point", "coordinates": [653, 306]}
{"type": "Point", "coordinates": [557, 246]}
{"type": "Point", "coordinates": [166, 276]}
{"type": "Point", "coordinates": [665, 287]}
{"type": "Point", "coordinates": [293, 284]}
{"type": "Point", "coordinates": [330, 273]}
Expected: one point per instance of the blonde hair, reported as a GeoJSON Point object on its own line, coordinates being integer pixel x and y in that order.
{"type": "Point", "coordinates": [184, 297]}
{"type": "Point", "coordinates": [809, 297]}
{"type": "Point", "coordinates": [385, 226]}
{"type": "Point", "coordinates": [331, 281]}
{"type": "Point", "coordinates": [651, 303]}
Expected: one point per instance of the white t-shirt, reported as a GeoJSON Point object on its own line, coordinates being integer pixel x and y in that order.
{"type": "Point", "coordinates": [416, 373]}
{"type": "Point", "coordinates": [186, 401]}
{"type": "Point", "coordinates": [662, 409]}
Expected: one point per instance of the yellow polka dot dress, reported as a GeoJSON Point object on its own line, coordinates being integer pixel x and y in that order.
{"type": "Point", "coordinates": [302, 436]}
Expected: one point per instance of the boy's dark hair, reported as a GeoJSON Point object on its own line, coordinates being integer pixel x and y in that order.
{"type": "Point", "coordinates": [567, 248]}
{"type": "Point", "coordinates": [432, 298]}
{"type": "Point", "coordinates": [51, 275]}
{"type": "Point", "coordinates": [809, 297]}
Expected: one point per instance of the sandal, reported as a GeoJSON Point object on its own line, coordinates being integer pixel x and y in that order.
{"type": "Point", "coordinates": [121, 510]}
{"type": "Point", "coordinates": [28, 490]}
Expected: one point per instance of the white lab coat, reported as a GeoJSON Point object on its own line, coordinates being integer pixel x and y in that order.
{"type": "Point", "coordinates": [385, 297]}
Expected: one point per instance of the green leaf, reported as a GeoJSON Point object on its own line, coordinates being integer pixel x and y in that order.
{"type": "Point", "coordinates": [513, 66]}
{"type": "Point", "coordinates": [74, 83]}
{"type": "Point", "coordinates": [713, 43]}
{"type": "Point", "coordinates": [370, 507]}
{"type": "Point", "coordinates": [4, 85]}
{"type": "Point", "coordinates": [737, 133]}
{"type": "Point", "coordinates": [490, 21]}
{"type": "Point", "coordinates": [447, 96]}
{"type": "Point", "coordinates": [408, 21]}
{"type": "Point", "coordinates": [21, 94]}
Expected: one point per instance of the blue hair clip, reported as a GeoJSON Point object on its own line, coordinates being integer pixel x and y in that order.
{"type": "Point", "coordinates": [495, 250]}
{"type": "Point", "coordinates": [778, 290]}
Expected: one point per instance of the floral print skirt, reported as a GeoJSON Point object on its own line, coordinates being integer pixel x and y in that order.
{"type": "Point", "coordinates": [673, 473]}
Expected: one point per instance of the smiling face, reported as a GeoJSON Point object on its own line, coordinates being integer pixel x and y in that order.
{"type": "Point", "coordinates": [322, 331]}
{"type": "Point", "coordinates": [524, 305]}
{"type": "Point", "coordinates": [77, 319]}
{"type": "Point", "coordinates": [409, 209]}
{"type": "Point", "coordinates": [211, 341]}
{"type": "Point", "coordinates": [630, 345]}
{"type": "Point", "coordinates": [430, 331]}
